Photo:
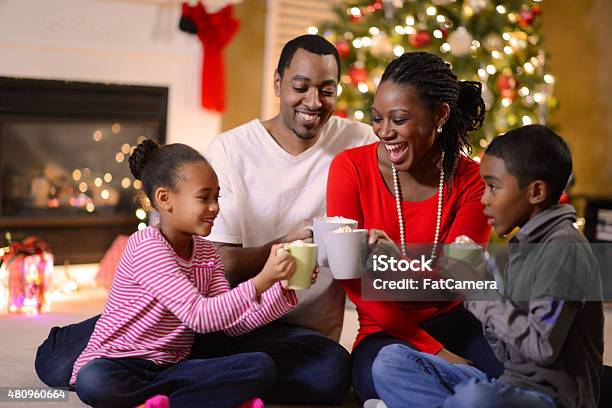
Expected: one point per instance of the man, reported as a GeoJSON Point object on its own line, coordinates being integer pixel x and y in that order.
{"type": "Point", "coordinates": [273, 177]}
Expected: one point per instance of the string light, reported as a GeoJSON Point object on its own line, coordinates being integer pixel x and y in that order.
{"type": "Point", "coordinates": [359, 115]}
{"type": "Point", "coordinates": [141, 214]}
{"type": "Point", "coordinates": [137, 184]}
{"type": "Point", "coordinates": [89, 207]}
{"type": "Point", "coordinates": [549, 79]}
{"type": "Point", "coordinates": [312, 30]}
{"type": "Point", "coordinates": [125, 182]}
{"type": "Point", "coordinates": [482, 73]}
{"type": "Point", "coordinates": [526, 120]}
{"type": "Point", "coordinates": [438, 34]}
{"type": "Point", "coordinates": [374, 30]}
{"type": "Point", "coordinates": [445, 47]}
{"type": "Point", "coordinates": [431, 11]}
{"type": "Point", "coordinates": [97, 135]}
{"type": "Point", "coordinates": [363, 87]}
{"type": "Point", "coordinates": [98, 182]}
{"type": "Point", "coordinates": [119, 157]}
{"type": "Point", "coordinates": [539, 97]}
{"type": "Point", "coordinates": [398, 50]}
{"type": "Point", "coordinates": [496, 54]}
{"type": "Point", "coordinates": [408, 30]}
{"type": "Point", "coordinates": [410, 20]}
{"type": "Point", "coordinates": [105, 194]}
{"type": "Point", "coordinates": [491, 69]}
{"type": "Point", "coordinates": [440, 18]}
{"type": "Point", "coordinates": [142, 226]}
{"type": "Point", "coordinates": [506, 102]}
{"type": "Point", "coordinates": [508, 50]}
{"type": "Point", "coordinates": [506, 36]}
{"type": "Point", "coordinates": [399, 29]}
{"type": "Point", "coordinates": [82, 186]}
{"type": "Point", "coordinates": [524, 91]}
{"type": "Point", "coordinates": [500, 9]}
{"type": "Point", "coordinates": [116, 128]}
{"type": "Point", "coordinates": [108, 177]}
{"type": "Point", "coordinates": [355, 12]}
{"type": "Point", "coordinates": [76, 174]}
{"type": "Point", "coordinates": [366, 41]}
{"type": "Point", "coordinates": [528, 68]}
{"type": "Point", "coordinates": [125, 148]}
{"type": "Point", "coordinates": [357, 43]}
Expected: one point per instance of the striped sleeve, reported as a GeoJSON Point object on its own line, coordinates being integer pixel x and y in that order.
{"type": "Point", "coordinates": [154, 267]}
{"type": "Point", "coordinates": [274, 302]}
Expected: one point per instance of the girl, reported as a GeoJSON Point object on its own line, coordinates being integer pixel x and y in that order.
{"type": "Point", "coordinates": [170, 284]}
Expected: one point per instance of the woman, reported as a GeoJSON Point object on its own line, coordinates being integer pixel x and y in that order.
{"type": "Point", "coordinates": [417, 187]}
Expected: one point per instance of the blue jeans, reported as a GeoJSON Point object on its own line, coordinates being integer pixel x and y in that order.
{"type": "Point", "coordinates": [458, 330]}
{"type": "Point", "coordinates": [218, 382]}
{"type": "Point", "coordinates": [312, 369]}
{"type": "Point", "coordinates": [406, 377]}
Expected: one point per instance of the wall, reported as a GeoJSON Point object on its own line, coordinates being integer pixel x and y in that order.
{"type": "Point", "coordinates": [244, 63]}
{"type": "Point", "coordinates": [577, 37]}
{"type": "Point", "coordinates": [117, 41]}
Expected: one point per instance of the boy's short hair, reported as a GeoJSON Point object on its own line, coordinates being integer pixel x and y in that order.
{"type": "Point", "coordinates": [311, 43]}
{"type": "Point", "coordinates": [535, 152]}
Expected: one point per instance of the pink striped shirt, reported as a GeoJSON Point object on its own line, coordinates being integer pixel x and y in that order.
{"type": "Point", "coordinates": [158, 301]}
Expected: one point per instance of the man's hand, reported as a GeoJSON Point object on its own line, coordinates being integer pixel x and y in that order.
{"type": "Point", "coordinates": [302, 231]}
{"type": "Point", "coordinates": [279, 266]}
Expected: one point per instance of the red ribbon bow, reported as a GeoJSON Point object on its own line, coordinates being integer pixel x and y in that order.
{"type": "Point", "coordinates": [214, 31]}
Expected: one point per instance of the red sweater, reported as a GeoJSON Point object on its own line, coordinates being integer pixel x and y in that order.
{"type": "Point", "coordinates": [356, 190]}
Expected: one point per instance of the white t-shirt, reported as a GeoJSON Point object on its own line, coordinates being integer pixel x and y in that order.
{"type": "Point", "coordinates": [265, 192]}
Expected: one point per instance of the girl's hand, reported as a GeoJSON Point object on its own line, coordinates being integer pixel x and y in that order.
{"type": "Point", "coordinates": [453, 358]}
{"type": "Point", "coordinates": [279, 266]}
{"type": "Point", "coordinates": [315, 275]}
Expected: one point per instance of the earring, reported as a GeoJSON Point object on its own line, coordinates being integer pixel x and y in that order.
{"type": "Point", "coordinates": [440, 128]}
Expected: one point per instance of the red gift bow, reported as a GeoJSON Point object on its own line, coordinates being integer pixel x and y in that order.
{"type": "Point", "coordinates": [214, 31]}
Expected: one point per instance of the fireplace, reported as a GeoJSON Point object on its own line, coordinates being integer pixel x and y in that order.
{"type": "Point", "coordinates": [64, 148]}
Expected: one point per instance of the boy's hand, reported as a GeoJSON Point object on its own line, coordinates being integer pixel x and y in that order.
{"type": "Point", "coordinates": [376, 235]}
{"type": "Point", "coordinates": [452, 358]}
{"type": "Point", "coordinates": [279, 266]}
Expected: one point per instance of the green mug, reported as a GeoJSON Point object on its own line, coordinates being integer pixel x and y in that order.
{"type": "Point", "coordinates": [305, 256]}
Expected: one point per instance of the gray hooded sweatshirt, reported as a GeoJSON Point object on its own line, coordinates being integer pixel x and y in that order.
{"type": "Point", "coordinates": [547, 326]}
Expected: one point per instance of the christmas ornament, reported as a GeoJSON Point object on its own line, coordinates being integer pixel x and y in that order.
{"type": "Point", "coordinates": [344, 49]}
{"type": "Point", "coordinates": [421, 39]}
{"type": "Point", "coordinates": [357, 73]}
{"type": "Point", "coordinates": [526, 17]}
{"type": "Point", "coordinates": [492, 42]}
{"type": "Point", "coordinates": [478, 5]}
{"type": "Point", "coordinates": [460, 41]}
{"type": "Point", "coordinates": [506, 84]}
{"type": "Point", "coordinates": [381, 46]}
{"type": "Point", "coordinates": [390, 6]}
{"type": "Point", "coordinates": [341, 112]}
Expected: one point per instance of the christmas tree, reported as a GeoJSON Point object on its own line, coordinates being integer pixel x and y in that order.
{"type": "Point", "coordinates": [495, 42]}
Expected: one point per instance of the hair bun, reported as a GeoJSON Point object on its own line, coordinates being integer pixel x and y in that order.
{"type": "Point", "coordinates": [471, 104]}
{"type": "Point", "coordinates": [140, 156]}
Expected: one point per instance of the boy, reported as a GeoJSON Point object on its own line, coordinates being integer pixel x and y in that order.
{"type": "Point", "coordinates": [548, 335]}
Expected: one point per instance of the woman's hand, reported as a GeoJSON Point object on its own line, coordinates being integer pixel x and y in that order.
{"type": "Point", "coordinates": [452, 358]}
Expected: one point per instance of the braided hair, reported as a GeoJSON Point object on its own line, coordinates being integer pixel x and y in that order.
{"type": "Point", "coordinates": [436, 83]}
{"type": "Point", "coordinates": [158, 166]}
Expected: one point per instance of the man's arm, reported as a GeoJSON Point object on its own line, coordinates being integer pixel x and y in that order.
{"type": "Point", "coordinates": [243, 263]}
